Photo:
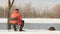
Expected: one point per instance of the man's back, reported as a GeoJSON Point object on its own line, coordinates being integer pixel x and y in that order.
{"type": "Point", "coordinates": [17, 15]}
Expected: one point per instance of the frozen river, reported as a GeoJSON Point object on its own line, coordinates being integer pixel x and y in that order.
{"type": "Point", "coordinates": [34, 23]}
{"type": "Point", "coordinates": [33, 26]}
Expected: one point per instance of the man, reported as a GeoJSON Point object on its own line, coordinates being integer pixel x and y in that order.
{"type": "Point", "coordinates": [16, 18]}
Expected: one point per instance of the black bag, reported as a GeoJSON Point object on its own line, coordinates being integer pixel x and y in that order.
{"type": "Point", "coordinates": [52, 28]}
{"type": "Point", "coordinates": [23, 23]}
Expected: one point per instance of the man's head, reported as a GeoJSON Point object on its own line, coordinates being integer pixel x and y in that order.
{"type": "Point", "coordinates": [17, 9]}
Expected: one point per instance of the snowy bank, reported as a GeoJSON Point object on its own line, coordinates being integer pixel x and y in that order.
{"type": "Point", "coordinates": [34, 20]}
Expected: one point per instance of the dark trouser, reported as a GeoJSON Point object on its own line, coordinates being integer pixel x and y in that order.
{"type": "Point", "coordinates": [14, 26]}
{"type": "Point", "coordinates": [15, 29]}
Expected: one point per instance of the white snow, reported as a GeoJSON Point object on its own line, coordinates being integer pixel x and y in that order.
{"type": "Point", "coordinates": [29, 32]}
{"type": "Point", "coordinates": [34, 20]}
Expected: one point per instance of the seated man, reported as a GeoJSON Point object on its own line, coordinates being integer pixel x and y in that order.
{"type": "Point", "coordinates": [16, 18]}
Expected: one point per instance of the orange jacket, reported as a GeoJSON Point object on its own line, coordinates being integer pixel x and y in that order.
{"type": "Point", "coordinates": [16, 14]}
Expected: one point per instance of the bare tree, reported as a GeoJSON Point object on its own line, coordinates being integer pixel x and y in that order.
{"type": "Point", "coordinates": [10, 4]}
{"type": "Point", "coordinates": [57, 10]}
{"type": "Point", "coordinates": [1, 12]}
{"type": "Point", "coordinates": [27, 10]}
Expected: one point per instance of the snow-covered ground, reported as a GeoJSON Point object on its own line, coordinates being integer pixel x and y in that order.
{"type": "Point", "coordinates": [29, 32]}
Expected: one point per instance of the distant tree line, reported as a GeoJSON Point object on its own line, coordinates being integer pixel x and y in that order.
{"type": "Point", "coordinates": [29, 12]}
